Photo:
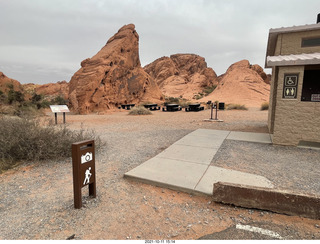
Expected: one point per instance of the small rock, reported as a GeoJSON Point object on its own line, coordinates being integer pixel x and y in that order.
{"type": "Point", "coordinates": [71, 237]}
{"type": "Point", "coordinates": [175, 234]}
{"type": "Point", "coordinates": [317, 226]}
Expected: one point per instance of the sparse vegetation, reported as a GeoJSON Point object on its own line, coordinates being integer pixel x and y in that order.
{"type": "Point", "coordinates": [265, 106]}
{"type": "Point", "coordinates": [14, 103]}
{"type": "Point", "coordinates": [177, 100]}
{"type": "Point", "coordinates": [139, 110]}
{"type": "Point", "coordinates": [25, 139]}
{"type": "Point", "coordinates": [205, 92]}
{"type": "Point", "coordinates": [236, 107]}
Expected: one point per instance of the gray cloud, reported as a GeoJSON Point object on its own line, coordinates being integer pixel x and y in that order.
{"type": "Point", "coordinates": [45, 41]}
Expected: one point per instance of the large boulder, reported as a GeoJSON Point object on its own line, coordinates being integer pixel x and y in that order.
{"type": "Point", "coordinates": [182, 75]}
{"type": "Point", "coordinates": [243, 84]}
{"type": "Point", "coordinates": [113, 76]}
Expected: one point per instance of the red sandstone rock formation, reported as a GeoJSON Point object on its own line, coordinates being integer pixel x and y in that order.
{"type": "Point", "coordinates": [113, 76]}
{"type": "Point", "coordinates": [182, 75]}
{"type": "Point", "coordinates": [61, 88]}
{"type": "Point", "coordinates": [5, 83]}
{"type": "Point", "coordinates": [241, 84]}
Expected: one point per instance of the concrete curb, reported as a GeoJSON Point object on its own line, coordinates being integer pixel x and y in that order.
{"type": "Point", "coordinates": [278, 201]}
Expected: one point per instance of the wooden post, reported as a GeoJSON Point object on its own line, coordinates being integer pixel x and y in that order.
{"type": "Point", "coordinates": [83, 165]}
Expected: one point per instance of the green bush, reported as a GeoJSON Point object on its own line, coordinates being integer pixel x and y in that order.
{"type": "Point", "coordinates": [139, 110]}
{"type": "Point", "coordinates": [265, 106]}
{"type": "Point", "coordinates": [26, 140]}
{"type": "Point", "coordinates": [236, 107]}
{"type": "Point", "coordinates": [15, 96]}
{"type": "Point", "coordinates": [59, 100]}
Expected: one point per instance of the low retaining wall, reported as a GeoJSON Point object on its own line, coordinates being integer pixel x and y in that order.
{"type": "Point", "coordinates": [267, 199]}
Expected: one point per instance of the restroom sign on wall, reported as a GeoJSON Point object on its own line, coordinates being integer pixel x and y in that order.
{"type": "Point", "coordinates": [290, 86]}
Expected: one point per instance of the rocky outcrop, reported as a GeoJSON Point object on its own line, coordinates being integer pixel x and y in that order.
{"type": "Point", "coordinates": [182, 75]}
{"type": "Point", "coordinates": [113, 76]}
{"type": "Point", "coordinates": [61, 88]}
{"type": "Point", "coordinates": [243, 83]}
{"type": "Point", "coordinates": [6, 83]}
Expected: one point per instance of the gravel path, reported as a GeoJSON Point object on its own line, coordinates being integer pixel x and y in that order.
{"type": "Point", "coordinates": [289, 168]}
{"type": "Point", "coordinates": [36, 199]}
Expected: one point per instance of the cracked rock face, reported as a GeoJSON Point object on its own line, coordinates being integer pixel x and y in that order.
{"type": "Point", "coordinates": [113, 76]}
{"type": "Point", "coordinates": [182, 75]}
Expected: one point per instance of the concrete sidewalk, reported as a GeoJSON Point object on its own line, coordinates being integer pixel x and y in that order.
{"type": "Point", "coordinates": [185, 165]}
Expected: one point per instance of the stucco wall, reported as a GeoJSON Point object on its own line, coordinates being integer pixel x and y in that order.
{"type": "Point", "coordinates": [295, 120]}
{"type": "Point", "coordinates": [290, 43]}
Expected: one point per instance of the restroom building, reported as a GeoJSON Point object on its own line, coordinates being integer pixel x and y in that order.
{"type": "Point", "coordinates": [293, 53]}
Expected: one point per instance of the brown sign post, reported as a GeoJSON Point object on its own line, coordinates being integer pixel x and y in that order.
{"type": "Point", "coordinates": [84, 170]}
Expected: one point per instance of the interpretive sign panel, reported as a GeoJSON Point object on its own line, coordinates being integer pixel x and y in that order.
{"type": "Point", "coordinates": [83, 165]}
{"type": "Point", "coordinates": [59, 108]}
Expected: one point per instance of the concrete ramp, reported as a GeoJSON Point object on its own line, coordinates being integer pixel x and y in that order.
{"type": "Point", "coordinates": [185, 165]}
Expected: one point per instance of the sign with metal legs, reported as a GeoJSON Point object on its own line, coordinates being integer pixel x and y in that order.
{"type": "Point", "coordinates": [83, 165]}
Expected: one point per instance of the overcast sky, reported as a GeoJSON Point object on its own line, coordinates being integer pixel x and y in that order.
{"type": "Point", "coordinates": [44, 41]}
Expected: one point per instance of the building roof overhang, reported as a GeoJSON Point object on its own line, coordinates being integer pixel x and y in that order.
{"type": "Point", "coordinates": [293, 59]}
{"type": "Point", "coordinates": [273, 36]}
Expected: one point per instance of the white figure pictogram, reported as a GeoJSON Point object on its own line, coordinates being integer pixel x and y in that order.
{"type": "Point", "coordinates": [87, 176]}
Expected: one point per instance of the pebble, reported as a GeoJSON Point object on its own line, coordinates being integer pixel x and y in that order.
{"type": "Point", "coordinates": [175, 234]}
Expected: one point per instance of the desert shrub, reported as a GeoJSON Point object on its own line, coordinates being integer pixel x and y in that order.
{"type": "Point", "coordinates": [265, 106]}
{"type": "Point", "coordinates": [15, 96]}
{"type": "Point", "coordinates": [236, 107]}
{"type": "Point", "coordinates": [207, 90]}
{"type": "Point", "coordinates": [3, 97]}
{"type": "Point", "coordinates": [26, 140]}
{"type": "Point", "coordinates": [139, 110]}
{"type": "Point", "coordinates": [198, 96]}
{"type": "Point", "coordinates": [145, 103]}
{"type": "Point", "coordinates": [177, 100]}
{"type": "Point", "coordinates": [172, 100]}
{"type": "Point", "coordinates": [59, 100]}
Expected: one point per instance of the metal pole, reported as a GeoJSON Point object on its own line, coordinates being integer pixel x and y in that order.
{"type": "Point", "coordinates": [216, 111]}
{"type": "Point", "coordinates": [211, 110]}
{"type": "Point", "coordinates": [64, 117]}
{"type": "Point", "coordinates": [56, 117]}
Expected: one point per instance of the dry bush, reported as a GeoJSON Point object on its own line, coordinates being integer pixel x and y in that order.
{"type": "Point", "coordinates": [139, 110]}
{"type": "Point", "coordinates": [265, 106]}
{"type": "Point", "coordinates": [236, 107]}
{"type": "Point", "coordinates": [24, 139]}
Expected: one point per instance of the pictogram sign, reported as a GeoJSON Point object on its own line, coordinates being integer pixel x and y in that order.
{"type": "Point", "coordinates": [83, 165]}
{"type": "Point", "coordinates": [290, 86]}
